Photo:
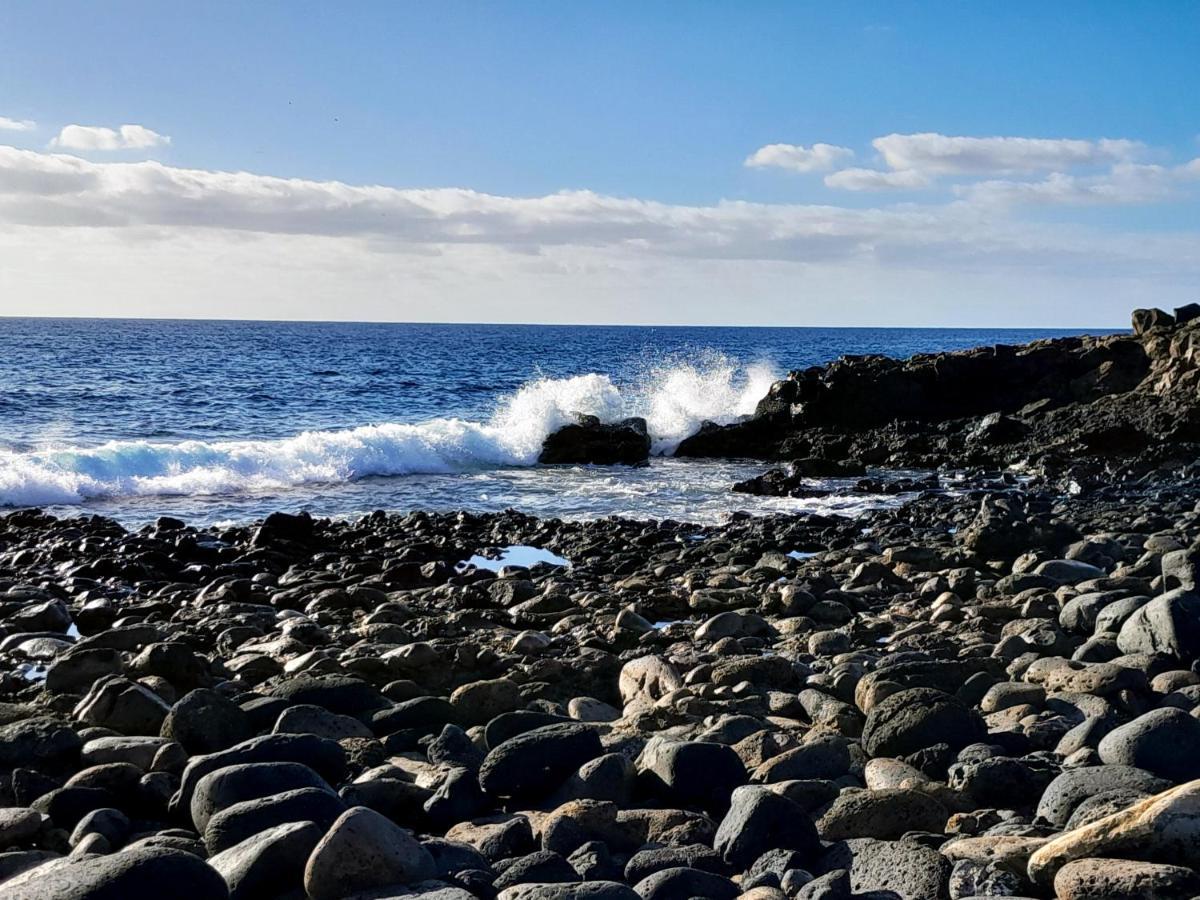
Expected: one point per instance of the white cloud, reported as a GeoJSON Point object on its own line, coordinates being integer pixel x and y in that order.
{"type": "Point", "coordinates": [7, 124]}
{"type": "Point", "coordinates": [79, 237]}
{"type": "Point", "coordinates": [1124, 184]}
{"type": "Point", "coordinates": [940, 154]}
{"type": "Point", "coordinates": [57, 190]}
{"type": "Point", "coordinates": [876, 180]}
{"type": "Point", "coordinates": [94, 137]}
{"type": "Point", "coordinates": [798, 158]}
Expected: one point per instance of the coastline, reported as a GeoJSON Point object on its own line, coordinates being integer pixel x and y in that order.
{"type": "Point", "coordinates": [980, 689]}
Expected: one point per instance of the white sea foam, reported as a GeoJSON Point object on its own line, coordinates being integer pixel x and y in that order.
{"type": "Point", "coordinates": [673, 399]}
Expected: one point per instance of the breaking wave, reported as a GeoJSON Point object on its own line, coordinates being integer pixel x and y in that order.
{"type": "Point", "coordinates": [674, 399]}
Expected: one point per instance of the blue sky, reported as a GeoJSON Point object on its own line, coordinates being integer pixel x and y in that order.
{"type": "Point", "coordinates": [643, 103]}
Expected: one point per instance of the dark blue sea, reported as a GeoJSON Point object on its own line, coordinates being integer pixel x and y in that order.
{"type": "Point", "coordinates": [226, 421]}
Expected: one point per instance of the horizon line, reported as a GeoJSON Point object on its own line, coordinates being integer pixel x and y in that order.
{"type": "Point", "coordinates": [1104, 329]}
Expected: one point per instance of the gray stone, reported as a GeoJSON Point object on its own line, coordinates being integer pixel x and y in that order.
{"type": "Point", "coordinates": [1169, 624]}
{"type": "Point", "coordinates": [1073, 786]}
{"type": "Point", "coordinates": [133, 874]}
{"type": "Point", "coordinates": [912, 720]}
{"type": "Point", "coordinates": [1164, 742]}
{"type": "Point", "coordinates": [248, 781]}
{"type": "Point", "coordinates": [760, 820]}
{"type": "Point", "coordinates": [269, 863]}
{"type": "Point", "coordinates": [363, 850]}
{"type": "Point", "coordinates": [533, 764]}
{"type": "Point", "coordinates": [204, 721]}
{"type": "Point", "coordinates": [885, 814]}
{"type": "Point", "coordinates": [907, 869]}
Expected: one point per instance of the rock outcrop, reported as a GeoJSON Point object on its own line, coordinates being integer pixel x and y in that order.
{"type": "Point", "coordinates": [1116, 396]}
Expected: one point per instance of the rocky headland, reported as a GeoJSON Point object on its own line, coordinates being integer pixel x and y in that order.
{"type": "Point", "coordinates": [988, 690]}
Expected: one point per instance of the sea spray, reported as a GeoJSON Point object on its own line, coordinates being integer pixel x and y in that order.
{"type": "Point", "coordinates": [674, 398]}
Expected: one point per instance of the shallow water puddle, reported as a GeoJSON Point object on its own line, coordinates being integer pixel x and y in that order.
{"type": "Point", "coordinates": [802, 554]}
{"type": "Point", "coordinates": [32, 672]}
{"type": "Point", "coordinates": [515, 555]}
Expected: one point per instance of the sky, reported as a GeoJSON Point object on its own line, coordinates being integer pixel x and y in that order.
{"type": "Point", "coordinates": [933, 164]}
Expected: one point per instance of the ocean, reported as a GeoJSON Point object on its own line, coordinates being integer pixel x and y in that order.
{"type": "Point", "coordinates": [220, 421]}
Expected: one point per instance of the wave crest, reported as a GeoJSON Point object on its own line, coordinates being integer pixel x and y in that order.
{"type": "Point", "coordinates": [674, 399]}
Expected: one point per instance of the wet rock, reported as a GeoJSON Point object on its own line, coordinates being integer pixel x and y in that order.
{"type": "Point", "coordinates": [589, 441]}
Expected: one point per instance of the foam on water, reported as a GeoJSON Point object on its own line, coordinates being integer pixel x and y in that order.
{"type": "Point", "coordinates": [674, 400]}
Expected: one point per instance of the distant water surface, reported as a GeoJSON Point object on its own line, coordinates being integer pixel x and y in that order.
{"type": "Point", "coordinates": [225, 421]}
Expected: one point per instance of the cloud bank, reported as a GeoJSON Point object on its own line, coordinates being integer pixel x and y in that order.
{"type": "Point", "coordinates": [81, 236]}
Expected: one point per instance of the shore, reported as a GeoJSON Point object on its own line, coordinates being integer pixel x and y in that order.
{"type": "Point", "coordinates": [987, 691]}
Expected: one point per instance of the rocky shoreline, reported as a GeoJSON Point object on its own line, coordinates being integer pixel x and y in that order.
{"type": "Point", "coordinates": [987, 691]}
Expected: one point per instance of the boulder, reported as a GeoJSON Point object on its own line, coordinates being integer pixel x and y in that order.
{"type": "Point", "coordinates": [897, 869]}
{"type": "Point", "coordinates": [911, 720]}
{"type": "Point", "coordinates": [531, 765]}
{"type": "Point", "coordinates": [760, 820]}
{"type": "Point", "coordinates": [589, 441]}
{"type": "Point", "coordinates": [692, 773]}
{"type": "Point", "coordinates": [1064, 794]}
{"type": "Point", "coordinates": [248, 781]}
{"type": "Point", "coordinates": [203, 721]}
{"type": "Point", "coordinates": [363, 851]}
{"type": "Point", "coordinates": [884, 814]}
{"type": "Point", "coordinates": [1164, 742]}
{"type": "Point", "coordinates": [1169, 624]}
{"type": "Point", "coordinates": [1163, 828]}
{"type": "Point", "coordinates": [1123, 879]}
{"type": "Point", "coordinates": [124, 706]}
{"type": "Point", "coordinates": [647, 678]}
{"type": "Point", "coordinates": [1149, 319]}
{"type": "Point", "coordinates": [132, 874]}
{"type": "Point", "coordinates": [271, 862]}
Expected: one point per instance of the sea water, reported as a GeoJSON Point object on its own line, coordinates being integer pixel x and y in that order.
{"type": "Point", "coordinates": [226, 421]}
